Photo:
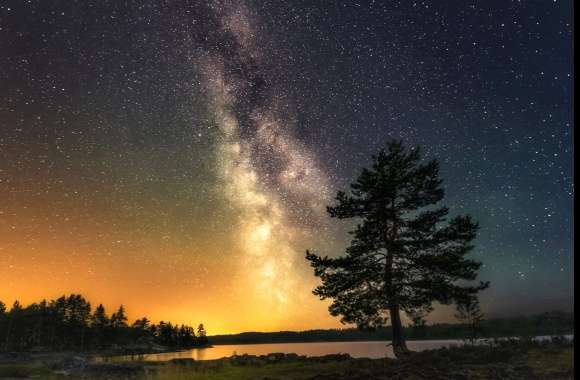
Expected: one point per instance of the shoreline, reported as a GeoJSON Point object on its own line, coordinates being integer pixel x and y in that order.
{"type": "Point", "coordinates": [426, 339]}
{"type": "Point", "coordinates": [505, 360]}
{"type": "Point", "coordinates": [567, 338]}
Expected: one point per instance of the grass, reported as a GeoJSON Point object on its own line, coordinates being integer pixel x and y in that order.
{"type": "Point", "coordinates": [509, 360]}
{"type": "Point", "coordinates": [223, 371]}
{"type": "Point", "coordinates": [556, 363]}
{"type": "Point", "coordinates": [20, 371]}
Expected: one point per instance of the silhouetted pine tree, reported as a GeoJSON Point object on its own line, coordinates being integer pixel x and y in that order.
{"type": "Point", "coordinates": [99, 318]}
{"type": "Point", "coordinates": [419, 324]}
{"type": "Point", "coordinates": [401, 257]}
{"type": "Point", "coordinates": [469, 312]}
{"type": "Point", "coordinates": [119, 319]}
{"type": "Point", "coordinates": [99, 325]}
{"type": "Point", "coordinates": [201, 334]}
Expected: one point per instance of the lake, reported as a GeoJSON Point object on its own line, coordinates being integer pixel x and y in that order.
{"type": "Point", "coordinates": [366, 349]}
{"type": "Point", "coordinates": [373, 350]}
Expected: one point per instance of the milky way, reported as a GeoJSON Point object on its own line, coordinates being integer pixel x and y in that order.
{"type": "Point", "coordinates": [268, 175]}
{"type": "Point", "coordinates": [178, 156]}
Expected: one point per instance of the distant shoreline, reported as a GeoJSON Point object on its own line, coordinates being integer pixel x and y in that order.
{"type": "Point", "coordinates": [332, 341]}
{"type": "Point", "coordinates": [567, 336]}
{"type": "Point", "coordinates": [549, 324]}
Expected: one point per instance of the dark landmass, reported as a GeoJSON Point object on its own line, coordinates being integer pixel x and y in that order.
{"type": "Point", "coordinates": [553, 323]}
{"type": "Point", "coordinates": [511, 359]}
{"type": "Point", "coordinates": [504, 308]}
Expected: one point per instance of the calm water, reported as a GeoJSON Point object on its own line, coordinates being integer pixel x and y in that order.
{"type": "Point", "coordinates": [376, 349]}
{"type": "Point", "coordinates": [370, 349]}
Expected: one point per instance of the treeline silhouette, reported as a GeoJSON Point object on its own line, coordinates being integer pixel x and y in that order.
{"type": "Point", "coordinates": [552, 323]}
{"type": "Point", "coordinates": [69, 323]}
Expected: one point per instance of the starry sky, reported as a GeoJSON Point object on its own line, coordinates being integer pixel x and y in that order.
{"type": "Point", "coordinates": [177, 156]}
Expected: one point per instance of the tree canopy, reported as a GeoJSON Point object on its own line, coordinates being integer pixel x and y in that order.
{"type": "Point", "coordinates": [69, 323]}
{"type": "Point", "coordinates": [405, 253]}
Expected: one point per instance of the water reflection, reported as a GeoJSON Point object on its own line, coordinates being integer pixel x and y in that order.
{"type": "Point", "coordinates": [374, 349]}
{"type": "Point", "coordinates": [368, 349]}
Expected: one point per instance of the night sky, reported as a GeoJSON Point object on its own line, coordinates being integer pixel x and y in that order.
{"type": "Point", "coordinates": [177, 156]}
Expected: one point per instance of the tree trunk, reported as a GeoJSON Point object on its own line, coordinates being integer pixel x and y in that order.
{"type": "Point", "coordinates": [399, 345]}
{"type": "Point", "coordinates": [398, 342]}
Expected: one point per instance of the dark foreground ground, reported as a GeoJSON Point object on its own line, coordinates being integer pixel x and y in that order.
{"type": "Point", "coordinates": [501, 360]}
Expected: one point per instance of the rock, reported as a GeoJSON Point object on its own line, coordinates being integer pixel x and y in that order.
{"type": "Point", "coordinates": [15, 357]}
{"type": "Point", "coordinates": [72, 362]}
{"type": "Point", "coordinates": [79, 366]}
{"type": "Point", "coordinates": [245, 359]}
{"type": "Point", "coordinates": [276, 357]}
{"type": "Point", "coordinates": [183, 361]}
{"type": "Point", "coordinates": [109, 369]}
{"type": "Point", "coordinates": [330, 358]}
